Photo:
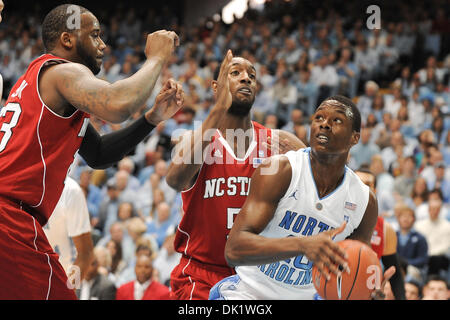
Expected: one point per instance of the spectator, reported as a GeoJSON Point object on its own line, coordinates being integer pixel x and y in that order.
{"type": "Point", "coordinates": [366, 60]}
{"type": "Point", "coordinates": [325, 77]}
{"type": "Point", "coordinates": [437, 232]}
{"type": "Point", "coordinates": [117, 262]}
{"type": "Point", "coordinates": [144, 246]}
{"type": "Point", "coordinates": [365, 101]}
{"type": "Point", "coordinates": [158, 227]}
{"type": "Point", "coordinates": [404, 183]}
{"type": "Point", "coordinates": [413, 290]}
{"type": "Point", "coordinates": [422, 211]}
{"type": "Point", "coordinates": [420, 193]}
{"type": "Point", "coordinates": [411, 246]}
{"type": "Point", "coordinates": [284, 94]}
{"type": "Point", "coordinates": [96, 286]}
{"type": "Point", "coordinates": [307, 92]}
{"type": "Point", "coordinates": [436, 288]}
{"type": "Point", "coordinates": [167, 259]}
{"type": "Point", "coordinates": [363, 152]}
{"type": "Point", "coordinates": [348, 74]}
{"type": "Point", "coordinates": [118, 233]}
{"type": "Point", "coordinates": [389, 55]}
{"type": "Point", "coordinates": [107, 212]}
{"type": "Point", "coordinates": [92, 192]}
{"type": "Point", "coordinates": [264, 102]}
{"type": "Point", "coordinates": [144, 287]}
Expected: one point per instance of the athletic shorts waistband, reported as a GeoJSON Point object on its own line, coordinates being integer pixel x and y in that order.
{"type": "Point", "coordinates": [24, 207]}
{"type": "Point", "coordinates": [208, 266]}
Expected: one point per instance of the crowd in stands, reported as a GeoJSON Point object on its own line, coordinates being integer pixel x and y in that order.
{"type": "Point", "coordinates": [398, 76]}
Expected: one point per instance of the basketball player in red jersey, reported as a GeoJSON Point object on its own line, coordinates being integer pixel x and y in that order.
{"type": "Point", "coordinates": [215, 187]}
{"type": "Point", "coordinates": [384, 241]}
{"type": "Point", "coordinates": [46, 121]}
{"type": "Point", "coordinates": [2, 5]}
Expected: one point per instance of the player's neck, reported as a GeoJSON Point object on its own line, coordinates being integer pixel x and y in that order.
{"type": "Point", "coordinates": [234, 122]}
{"type": "Point", "coordinates": [328, 171]}
{"type": "Point", "coordinates": [238, 133]}
{"type": "Point", "coordinates": [64, 54]}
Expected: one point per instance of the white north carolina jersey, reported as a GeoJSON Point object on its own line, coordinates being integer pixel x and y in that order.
{"type": "Point", "coordinates": [301, 212]}
{"type": "Point", "coordinates": [69, 219]}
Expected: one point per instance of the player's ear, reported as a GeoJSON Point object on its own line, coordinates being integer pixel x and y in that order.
{"type": "Point", "coordinates": [214, 85]}
{"type": "Point", "coordinates": [355, 138]}
{"type": "Point", "coordinates": [67, 40]}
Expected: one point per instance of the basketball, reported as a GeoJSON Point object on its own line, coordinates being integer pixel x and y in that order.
{"type": "Point", "coordinates": [365, 274]}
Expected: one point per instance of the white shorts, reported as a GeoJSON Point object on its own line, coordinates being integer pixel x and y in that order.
{"type": "Point", "coordinates": [233, 288]}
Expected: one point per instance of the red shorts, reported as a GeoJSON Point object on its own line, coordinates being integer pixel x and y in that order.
{"type": "Point", "coordinates": [192, 280]}
{"type": "Point", "coordinates": [29, 268]}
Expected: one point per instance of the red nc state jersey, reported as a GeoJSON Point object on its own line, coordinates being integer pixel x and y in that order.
{"type": "Point", "coordinates": [377, 241]}
{"type": "Point", "coordinates": [37, 146]}
{"type": "Point", "coordinates": [212, 203]}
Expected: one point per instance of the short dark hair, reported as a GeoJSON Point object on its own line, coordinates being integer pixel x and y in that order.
{"type": "Point", "coordinates": [436, 277]}
{"type": "Point", "coordinates": [348, 103]}
{"type": "Point", "coordinates": [55, 23]}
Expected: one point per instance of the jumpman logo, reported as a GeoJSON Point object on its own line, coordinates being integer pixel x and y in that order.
{"type": "Point", "coordinates": [293, 195]}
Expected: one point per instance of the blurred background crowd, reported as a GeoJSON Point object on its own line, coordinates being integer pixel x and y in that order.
{"type": "Point", "coordinates": [303, 51]}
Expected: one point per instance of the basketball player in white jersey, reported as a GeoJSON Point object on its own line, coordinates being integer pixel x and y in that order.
{"type": "Point", "coordinates": [69, 231]}
{"type": "Point", "coordinates": [290, 219]}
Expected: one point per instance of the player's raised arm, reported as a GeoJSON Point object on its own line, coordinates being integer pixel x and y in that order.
{"type": "Point", "coordinates": [102, 151]}
{"type": "Point", "coordinates": [185, 165]}
{"type": "Point", "coordinates": [114, 102]}
{"type": "Point", "coordinates": [246, 247]}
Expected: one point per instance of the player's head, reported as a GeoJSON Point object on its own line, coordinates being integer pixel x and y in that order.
{"type": "Point", "coordinates": [335, 126]}
{"type": "Point", "coordinates": [73, 32]}
{"type": "Point", "coordinates": [2, 5]}
{"type": "Point", "coordinates": [242, 82]}
{"type": "Point", "coordinates": [367, 177]}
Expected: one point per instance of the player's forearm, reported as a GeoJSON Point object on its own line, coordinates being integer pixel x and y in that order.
{"type": "Point", "coordinates": [134, 91]}
{"type": "Point", "coordinates": [397, 282]}
{"type": "Point", "coordinates": [83, 260]}
{"type": "Point", "coordinates": [250, 249]}
{"type": "Point", "coordinates": [101, 152]}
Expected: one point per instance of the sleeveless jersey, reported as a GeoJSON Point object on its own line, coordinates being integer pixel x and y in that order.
{"type": "Point", "coordinates": [37, 146]}
{"type": "Point", "coordinates": [301, 212]}
{"type": "Point", "coordinates": [212, 203]}
{"type": "Point", "coordinates": [377, 241]}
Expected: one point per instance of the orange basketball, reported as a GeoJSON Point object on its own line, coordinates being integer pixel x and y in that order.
{"type": "Point", "coordinates": [365, 274]}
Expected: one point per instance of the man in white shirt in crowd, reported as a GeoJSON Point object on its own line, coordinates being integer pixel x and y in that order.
{"type": "Point", "coordinates": [436, 230]}
{"type": "Point", "coordinates": [69, 232]}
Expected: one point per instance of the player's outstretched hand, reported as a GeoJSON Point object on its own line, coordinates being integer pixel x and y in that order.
{"type": "Point", "coordinates": [324, 253]}
{"type": "Point", "coordinates": [161, 44]}
{"type": "Point", "coordinates": [168, 101]}
{"type": "Point", "coordinates": [224, 97]}
{"type": "Point", "coordinates": [378, 294]}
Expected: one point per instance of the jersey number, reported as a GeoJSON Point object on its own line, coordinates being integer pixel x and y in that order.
{"type": "Point", "coordinates": [7, 126]}
{"type": "Point", "coordinates": [231, 213]}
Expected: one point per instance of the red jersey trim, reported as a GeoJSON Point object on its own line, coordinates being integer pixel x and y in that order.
{"type": "Point", "coordinates": [58, 60]}
{"type": "Point", "coordinates": [227, 147]}
{"type": "Point", "coordinates": [44, 174]}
